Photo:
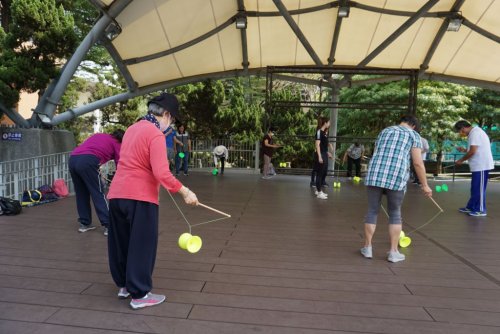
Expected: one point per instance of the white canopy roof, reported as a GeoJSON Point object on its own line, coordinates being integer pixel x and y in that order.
{"type": "Point", "coordinates": [161, 43]}
{"type": "Point", "coordinates": [152, 29]}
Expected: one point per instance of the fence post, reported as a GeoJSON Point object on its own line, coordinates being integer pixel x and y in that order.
{"type": "Point", "coordinates": [454, 166]}
{"type": "Point", "coordinates": [2, 183]}
{"type": "Point", "coordinates": [257, 155]}
{"type": "Point", "coordinates": [55, 172]}
{"type": "Point", "coordinates": [16, 185]}
{"type": "Point", "coordinates": [37, 172]}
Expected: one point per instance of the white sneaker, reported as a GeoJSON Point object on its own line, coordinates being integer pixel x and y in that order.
{"type": "Point", "coordinates": [322, 195]}
{"type": "Point", "coordinates": [367, 252]}
{"type": "Point", "coordinates": [123, 293]}
{"type": "Point", "coordinates": [320, 192]}
{"type": "Point", "coordinates": [395, 257]}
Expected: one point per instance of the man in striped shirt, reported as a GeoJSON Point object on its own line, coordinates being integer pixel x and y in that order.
{"type": "Point", "coordinates": [388, 174]}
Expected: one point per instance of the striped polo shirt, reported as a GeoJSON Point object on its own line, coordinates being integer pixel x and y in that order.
{"type": "Point", "coordinates": [389, 167]}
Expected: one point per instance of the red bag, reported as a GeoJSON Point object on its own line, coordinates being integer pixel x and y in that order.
{"type": "Point", "coordinates": [60, 188]}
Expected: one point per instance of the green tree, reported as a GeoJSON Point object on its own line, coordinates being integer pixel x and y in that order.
{"type": "Point", "coordinates": [199, 104]}
{"type": "Point", "coordinates": [293, 128]}
{"type": "Point", "coordinates": [485, 111]}
{"type": "Point", "coordinates": [369, 122]}
{"type": "Point", "coordinates": [439, 106]}
{"type": "Point", "coordinates": [121, 114]}
{"type": "Point", "coordinates": [39, 36]}
{"type": "Point", "coordinates": [81, 127]}
{"type": "Point", "coordinates": [238, 119]}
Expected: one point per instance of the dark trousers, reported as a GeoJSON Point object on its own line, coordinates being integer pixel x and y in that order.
{"type": "Point", "coordinates": [477, 201]}
{"type": "Point", "coordinates": [357, 164]}
{"type": "Point", "coordinates": [184, 161]}
{"type": "Point", "coordinates": [313, 178]}
{"type": "Point", "coordinates": [313, 173]}
{"type": "Point", "coordinates": [132, 244]}
{"type": "Point", "coordinates": [88, 184]}
{"type": "Point", "coordinates": [321, 170]}
{"type": "Point", "coordinates": [222, 163]}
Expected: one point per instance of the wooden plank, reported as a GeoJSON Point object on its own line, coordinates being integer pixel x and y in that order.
{"type": "Point", "coordinates": [284, 304]}
{"type": "Point", "coordinates": [23, 312]}
{"type": "Point", "coordinates": [139, 323]}
{"type": "Point", "coordinates": [317, 321]}
{"type": "Point", "coordinates": [16, 327]}
{"type": "Point", "coordinates": [464, 303]}
{"type": "Point", "coordinates": [107, 302]}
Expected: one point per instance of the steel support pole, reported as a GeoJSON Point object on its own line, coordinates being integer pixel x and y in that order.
{"type": "Point", "coordinates": [244, 41]}
{"type": "Point", "coordinates": [15, 116]}
{"type": "Point", "coordinates": [300, 35]}
{"type": "Point", "coordinates": [335, 40]}
{"type": "Point", "coordinates": [69, 114]}
{"type": "Point", "coordinates": [334, 114]}
{"type": "Point", "coordinates": [72, 65]}
{"type": "Point", "coordinates": [437, 39]}
{"type": "Point", "coordinates": [408, 23]}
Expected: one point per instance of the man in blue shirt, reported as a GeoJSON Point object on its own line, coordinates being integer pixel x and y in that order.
{"type": "Point", "coordinates": [388, 174]}
{"type": "Point", "coordinates": [170, 138]}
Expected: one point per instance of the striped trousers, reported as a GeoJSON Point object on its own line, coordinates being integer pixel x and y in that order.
{"type": "Point", "coordinates": [477, 201]}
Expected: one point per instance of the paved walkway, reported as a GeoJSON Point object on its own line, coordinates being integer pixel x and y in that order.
{"type": "Point", "coordinates": [285, 263]}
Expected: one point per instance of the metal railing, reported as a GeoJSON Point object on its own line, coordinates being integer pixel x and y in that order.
{"type": "Point", "coordinates": [241, 154]}
{"type": "Point", "coordinates": [16, 176]}
{"type": "Point", "coordinates": [449, 166]}
{"type": "Point", "coordinates": [31, 173]}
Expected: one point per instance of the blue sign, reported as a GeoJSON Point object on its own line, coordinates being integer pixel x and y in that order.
{"type": "Point", "coordinates": [14, 136]}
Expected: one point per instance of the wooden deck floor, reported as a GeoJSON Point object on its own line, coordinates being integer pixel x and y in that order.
{"type": "Point", "coordinates": [285, 263]}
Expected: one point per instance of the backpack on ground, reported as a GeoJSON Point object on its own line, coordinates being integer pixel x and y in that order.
{"type": "Point", "coordinates": [60, 188]}
{"type": "Point", "coordinates": [9, 207]}
{"type": "Point", "coordinates": [48, 194]}
{"type": "Point", "coordinates": [31, 197]}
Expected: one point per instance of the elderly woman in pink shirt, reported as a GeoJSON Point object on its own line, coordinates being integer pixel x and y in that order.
{"type": "Point", "coordinates": [133, 202]}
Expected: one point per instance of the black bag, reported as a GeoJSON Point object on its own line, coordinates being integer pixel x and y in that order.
{"type": "Point", "coordinates": [9, 206]}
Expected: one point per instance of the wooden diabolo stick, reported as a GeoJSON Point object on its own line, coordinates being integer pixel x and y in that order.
{"type": "Point", "coordinates": [214, 210]}
{"type": "Point", "coordinates": [432, 199]}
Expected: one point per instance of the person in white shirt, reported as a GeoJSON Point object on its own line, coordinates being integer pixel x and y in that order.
{"type": "Point", "coordinates": [480, 158]}
{"type": "Point", "coordinates": [353, 156]}
{"type": "Point", "coordinates": [220, 153]}
{"type": "Point", "coordinates": [425, 149]}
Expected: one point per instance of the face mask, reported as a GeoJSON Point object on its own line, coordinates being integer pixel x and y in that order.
{"type": "Point", "coordinates": [165, 122]}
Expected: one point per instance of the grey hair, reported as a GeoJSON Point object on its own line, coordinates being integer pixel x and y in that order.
{"type": "Point", "coordinates": [155, 109]}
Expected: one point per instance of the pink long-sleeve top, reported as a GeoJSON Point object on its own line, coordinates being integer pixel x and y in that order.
{"type": "Point", "coordinates": [143, 165]}
{"type": "Point", "coordinates": [102, 145]}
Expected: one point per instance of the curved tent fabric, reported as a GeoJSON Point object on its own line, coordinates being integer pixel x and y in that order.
{"type": "Point", "coordinates": [161, 43]}
{"type": "Point", "coordinates": [150, 27]}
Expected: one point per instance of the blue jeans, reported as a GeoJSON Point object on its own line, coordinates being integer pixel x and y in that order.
{"type": "Point", "coordinates": [185, 162]}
